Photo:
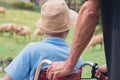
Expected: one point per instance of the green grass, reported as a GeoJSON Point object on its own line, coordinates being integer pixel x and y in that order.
{"type": "Point", "coordinates": [9, 47]}
{"type": "Point", "coordinates": [95, 55]}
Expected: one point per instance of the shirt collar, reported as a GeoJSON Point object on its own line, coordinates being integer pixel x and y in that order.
{"type": "Point", "coordinates": [55, 40]}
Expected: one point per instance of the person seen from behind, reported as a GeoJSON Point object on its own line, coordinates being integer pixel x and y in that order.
{"type": "Point", "coordinates": [56, 22]}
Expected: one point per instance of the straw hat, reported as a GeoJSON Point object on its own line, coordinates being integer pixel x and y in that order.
{"type": "Point", "coordinates": [41, 2]}
{"type": "Point", "coordinates": [56, 17]}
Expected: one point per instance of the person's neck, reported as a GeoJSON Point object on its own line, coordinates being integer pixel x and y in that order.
{"type": "Point", "coordinates": [47, 36]}
{"type": "Point", "coordinates": [60, 35]}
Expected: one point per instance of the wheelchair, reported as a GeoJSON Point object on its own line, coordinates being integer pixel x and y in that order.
{"type": "Point", "coordinates": [40, 73]}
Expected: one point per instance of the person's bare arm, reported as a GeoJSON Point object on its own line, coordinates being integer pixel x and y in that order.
{"type": "Point", "coordinates": [86, 23]}
{"type": "Point", "coordinates": [6, 77]}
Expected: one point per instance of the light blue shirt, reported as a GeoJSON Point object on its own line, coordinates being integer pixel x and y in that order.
{"type": "Point", "coordinates": [24, 65]}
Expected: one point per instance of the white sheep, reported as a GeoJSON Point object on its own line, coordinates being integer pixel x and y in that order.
{"type": "Point", "coordinates": [2, 29]}
{"type": "Point", "coordinates": [23, 31]}
{"type": "Point", "coordinates": [2, 10]}
{"type": "Point", "coordinates": [38, 32]}
{"type": "Point", "coordinates": [9, 27]}
{"type": "Point", "coordinates": [97, 39]}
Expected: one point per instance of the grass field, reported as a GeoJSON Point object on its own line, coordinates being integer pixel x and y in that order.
{"type": "Point", "coordinates": [9, 47]}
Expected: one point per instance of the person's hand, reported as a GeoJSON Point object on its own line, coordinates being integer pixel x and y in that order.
{"type": "Point", "coordinates": [58, 69]}
{"type": "Point", "coordinates": [100, 71]}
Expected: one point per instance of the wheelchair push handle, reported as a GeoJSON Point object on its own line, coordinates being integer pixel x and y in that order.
{"type": "Point", "coordinates": [94, 68]}
{"type": "Point", "coordinates": [93, 65]}
{"type": "Point", "coordinates": [88, 63]}
{"type": "Point", "coordinates": [40, 66]}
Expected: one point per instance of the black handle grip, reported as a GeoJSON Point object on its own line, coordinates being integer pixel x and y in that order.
{"type": "Point", "coordinates": [94, 68]}
{"type": "Point", "coordinates": [103, 76]}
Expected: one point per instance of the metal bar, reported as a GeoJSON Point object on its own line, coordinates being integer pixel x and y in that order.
{"type": "Point", "coordinates": [40, 66]}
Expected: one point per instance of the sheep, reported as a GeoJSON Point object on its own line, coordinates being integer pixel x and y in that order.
{"type": "Point", "coordinates": [1, 62]}
{"type": "Point", "coordinates": [98, 39]}
{"type": "Point", "coordinates": [1, 65]}
{"type": "Point", "coordinates": [23, 31]}
{"type": "Point", "coordinates": [1, 69]}
{"type": "Point", "coordinates": [9, 27]}
{"type": "Point", "coordinates": [5, 62]}
{"type": "Point", "coordinates": [3, 10]}
{"type": "Point", "coordinates": [2, 29]}
{"type": "Point", "coordinates": [98, 30]}
{"type": "Point", "coordinates": [8, 60]}
{"type": "Point", "coordinates": [38, 32]}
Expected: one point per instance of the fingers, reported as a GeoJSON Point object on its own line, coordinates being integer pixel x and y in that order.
{"type": "Point", "coordinates": [106, 78]}
{"type": "Point", "coordinates": [100, 73]}
{"type": "Point", "coordinates": [101, 76]}
{"type": "Point", "coordinates": [56, 70]}
{"type": "Point", "coordinates": [55, 77]}
{"type": "Point", "coordinates": [50, 72]}
{"type": "Point", "coordinates": [49, 69]}
{"type": "Point", "coordinates": [97, 73]}
{"type": "Point", "coordinates": [77, 71]}
{"type": "Point", "coordinates": [50, 76]}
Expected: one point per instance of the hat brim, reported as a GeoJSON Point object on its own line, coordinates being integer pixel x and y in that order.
{"type": "Point", "coordinates": [73, 20]}
{"type": "Point", "coordinates": [73, 17]}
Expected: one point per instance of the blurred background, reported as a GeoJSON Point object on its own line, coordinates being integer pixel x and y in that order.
{"type": "Point", "coordinates": [21, 17]}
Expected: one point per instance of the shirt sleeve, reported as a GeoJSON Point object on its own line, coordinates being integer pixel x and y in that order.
{"type": "Point", "coordinates": [79, 63]}
{"type": "Point", "coordinates": [19, 67]}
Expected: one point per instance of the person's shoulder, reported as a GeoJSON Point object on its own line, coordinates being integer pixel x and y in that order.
{"type": "Point", "coordinates": [36, 45]}
{"type": "Point", "coordinates": [32, 45]}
